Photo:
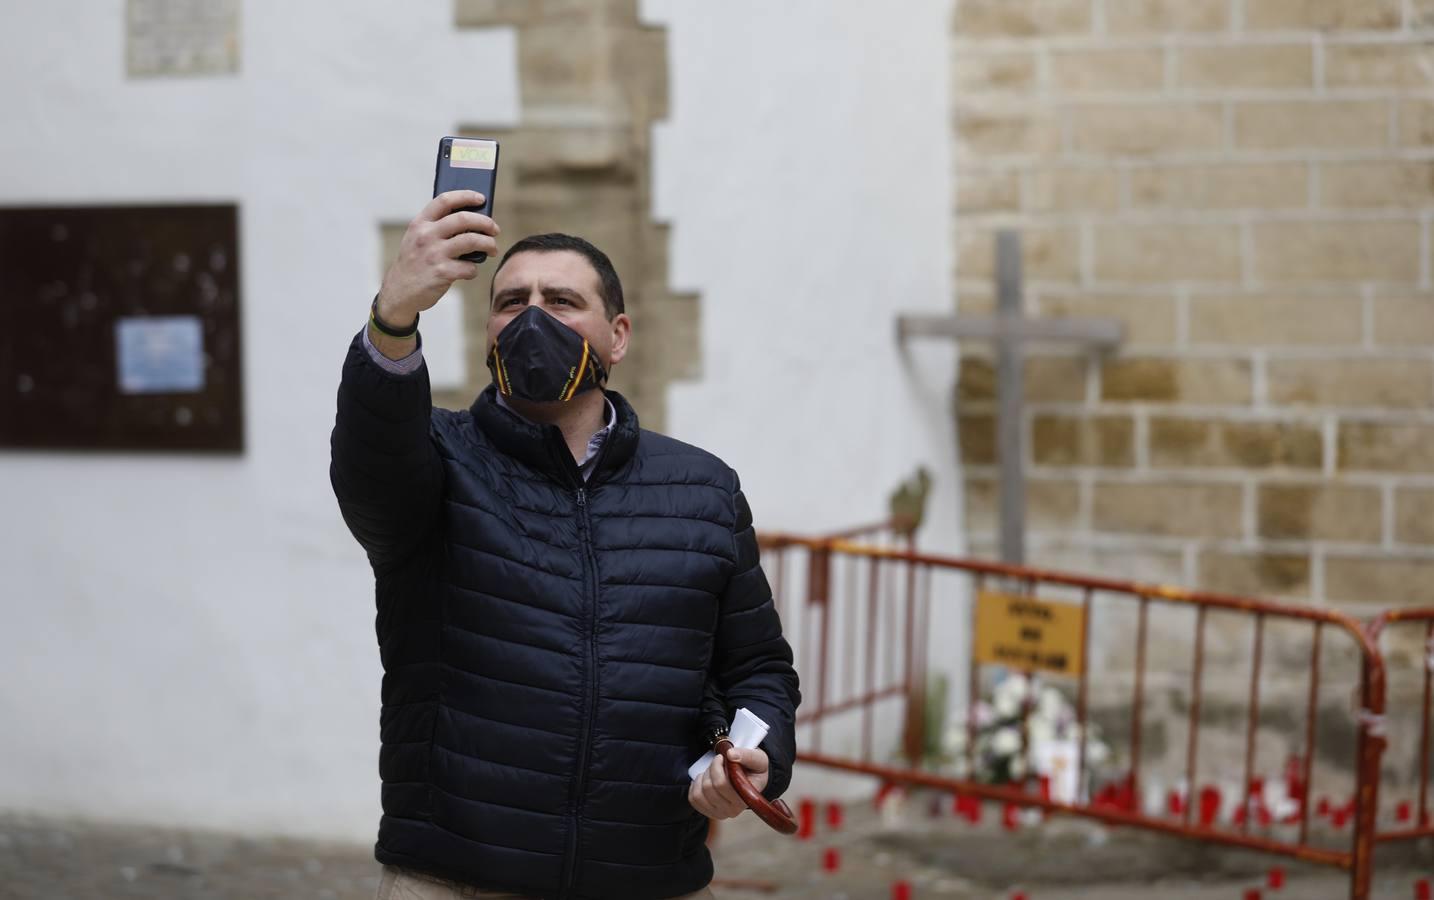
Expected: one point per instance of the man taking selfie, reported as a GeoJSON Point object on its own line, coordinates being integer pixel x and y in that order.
{"type": "Point", "coordinates": [569, 607]}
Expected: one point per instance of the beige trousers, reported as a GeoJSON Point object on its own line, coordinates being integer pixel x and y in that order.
{"type": "Point", "coordinates": [406, 884]}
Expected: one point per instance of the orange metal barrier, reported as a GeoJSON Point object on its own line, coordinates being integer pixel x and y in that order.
{"type": "Point", "coordinates": [859, 619]}
{"type": "Point", "coordinates": [1411, 815]}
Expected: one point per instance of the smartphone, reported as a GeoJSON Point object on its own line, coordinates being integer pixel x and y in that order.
{"type": "Point", "coordinates": [468, 164]}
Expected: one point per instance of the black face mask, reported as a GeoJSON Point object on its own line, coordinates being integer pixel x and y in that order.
{"type": "Point", "coordinates": [538, 358]}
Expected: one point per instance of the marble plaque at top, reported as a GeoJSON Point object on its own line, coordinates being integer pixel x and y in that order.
{"type": "Point", "coordinates": [182, 37]}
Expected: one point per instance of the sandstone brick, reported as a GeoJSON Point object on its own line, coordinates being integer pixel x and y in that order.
{"type": "Point", "coordinates": [1164, 380]}
{"type": "Point", "coordinates": [1145, 130]}
{"type": "Point", "coordinates": [1063, 440]}
{"type": "Point", "coordinates": [1051, 253]}
{"type": "Point", "coordinates": [1134, 561]}
{"type": "Point", "coordinates": [1261, 186]}
{"type": "Point", "coordinates": [1048, 379]}
{"type": "Point", "coordinates": [1311, 124]}
{"type": "Point", "coordinates": [988, 133]}
{"type": "Point", "coordinates": [1108, 69]}
{"type": "Point", "coordinates": [1055, 379]}
{"type": "Point", "coordinates": [975, 298]}
{"type": "Point", "coordinates": [1414, 515]}
{"type": "Point", "coordinates": [1021, 18]}
{"type": "Point", "coordinates": [1051, 504]}
{"type": "Point", "coordinates": [976, 434]}
{"type": "Point", "coordinates": [1255, 574]}
{"type": "Point", "coordinates": [639, 68]}
{"type": "Point", "coordinates": [976, 71]}
{"type": "Point", "coordinates": [565, 64]}
{"type": "Point", "coordinates": [1378, 65]}
{"type": "Point", "coordinates": [1306, 252]}
{"type": "Point", "coordinates": [1404, 321]}
{"type": "Point", "coordinates": [489, 13]}
{"type": "Point", "coordinates": [551, 155]}
{"type": "Point", "coordinates": [1380, 581]}
{"type": "Point", "coordinates": [1163, 16]}
{"type": "Point", "coordinates": [1364, 383]}
{"type": "Point", "coordinates": [1374, 185]}
{"type": "Point", "coordinates": [1164, 509]}
{"type": "Point", "coordinates": [1072, 189]}
{"type": "Point", "coordinates": [987, 190]}
{"type": "Point", "coordinates": [1246, 66]}
{"type": "Point", "coordinates": [1145, 254]}
{"type": "Point", "coordinates": [1423, 14]}
{"type": "Point", "coordinates": [1320, 512]}
{"type": "Point", "coordinates": [1383, 447]}
{"type": "Point", "coordinates": [1276, 320]}
{"type": "Point", "coordinates": [1235, 444]}
{"type": "Point", "coordinates": [1322, 14]}
{"type": "Point", "coordinates": [1148, 318]}
{"type": "Point", "coordinates": [1416, 123]}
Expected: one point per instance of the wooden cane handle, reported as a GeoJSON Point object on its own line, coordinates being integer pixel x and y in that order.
{"type": "Point", "coordinates": [775, 813]}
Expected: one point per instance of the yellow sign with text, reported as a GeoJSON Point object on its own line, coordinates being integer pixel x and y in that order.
{"type": "Point", "coordinates": [1026, 633]}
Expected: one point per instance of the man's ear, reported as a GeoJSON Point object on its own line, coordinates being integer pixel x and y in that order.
{"type": "Point", "coordinates": [621, 332]}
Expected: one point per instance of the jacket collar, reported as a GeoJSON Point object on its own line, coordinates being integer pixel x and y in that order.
{"type": "Point", "coordinates": [542, 446]}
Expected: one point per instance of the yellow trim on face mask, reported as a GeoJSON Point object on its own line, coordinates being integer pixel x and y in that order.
{"type": "Point", "coordinates": [578, 378]}
{"type": "Point", "coordinates": [502, 374]}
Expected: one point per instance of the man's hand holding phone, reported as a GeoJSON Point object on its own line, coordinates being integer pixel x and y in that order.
{"type": "Point", "coordinates": [428, 263]}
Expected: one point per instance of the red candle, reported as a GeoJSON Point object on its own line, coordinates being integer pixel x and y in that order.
{"type": "Point", "coordinates": [1174, 803]}
{"type": "Point", "coordinates": [831, 859]}
{"type": "Point", "coordinates": [972, 810]}
{"type": "Point", "coordinates": [1209, 805]}
{"type": "Point", "coordinates": [1008, 817]}
{"type": "Point", "coordinates": [808, 815]}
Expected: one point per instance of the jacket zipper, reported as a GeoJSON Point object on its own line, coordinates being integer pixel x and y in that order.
{"type": "Point", "coordinates": [590, 662]}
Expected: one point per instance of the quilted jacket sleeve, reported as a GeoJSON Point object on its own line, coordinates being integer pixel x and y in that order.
{"type": "Point", "coordinates": [383, 466]}
{"type": "Point", "coordinates": [752, 663]}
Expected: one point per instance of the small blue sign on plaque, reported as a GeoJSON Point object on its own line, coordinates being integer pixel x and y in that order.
{"type": "Point", "coordinates": [160, 354]}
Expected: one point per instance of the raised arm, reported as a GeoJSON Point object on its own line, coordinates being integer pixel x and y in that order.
{"type": "Point", "coordinates": [384, 468]}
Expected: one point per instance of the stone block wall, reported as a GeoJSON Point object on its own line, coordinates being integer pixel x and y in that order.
{"type": "Point", "coordinates": [593, 79]}
{"type": "Point", "coordinates": [1248, 185]}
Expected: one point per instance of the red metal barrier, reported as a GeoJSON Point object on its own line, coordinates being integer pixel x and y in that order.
{"type": "Point", "coordinates": [859, 621]}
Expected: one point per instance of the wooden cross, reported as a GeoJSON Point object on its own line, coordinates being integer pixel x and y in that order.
{"type": "Point", "coordinates": [1010, 332]}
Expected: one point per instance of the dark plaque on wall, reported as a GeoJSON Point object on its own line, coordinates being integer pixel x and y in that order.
{"type": "Point", "coordinates": [120, 328]}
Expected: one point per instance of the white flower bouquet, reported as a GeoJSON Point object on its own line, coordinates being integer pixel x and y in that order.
{"type": "Point", "coordinates": [1001, 754]}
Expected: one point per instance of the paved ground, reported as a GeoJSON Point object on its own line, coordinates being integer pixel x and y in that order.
{"type": "Point", "coordinates": [940, 858]}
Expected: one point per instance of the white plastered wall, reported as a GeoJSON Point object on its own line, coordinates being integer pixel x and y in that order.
{"type": "Point", "coordinates": [189, 640]}
{"type": "Point", "coordinates": [805, 170]}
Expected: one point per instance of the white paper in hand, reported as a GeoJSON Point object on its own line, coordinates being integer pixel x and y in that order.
{"type": "Point", "coordinates": [746, 733]}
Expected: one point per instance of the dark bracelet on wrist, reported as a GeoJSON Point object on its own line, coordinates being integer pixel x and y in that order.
{"type": "Point", "coordinates": [389, 330]}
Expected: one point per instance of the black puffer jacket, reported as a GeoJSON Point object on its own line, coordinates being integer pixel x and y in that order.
{"type": "Point", "coordinates": [547, 642]}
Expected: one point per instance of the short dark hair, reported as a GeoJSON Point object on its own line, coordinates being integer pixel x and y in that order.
{"type": "Point", "coordinates": [609, 285]}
